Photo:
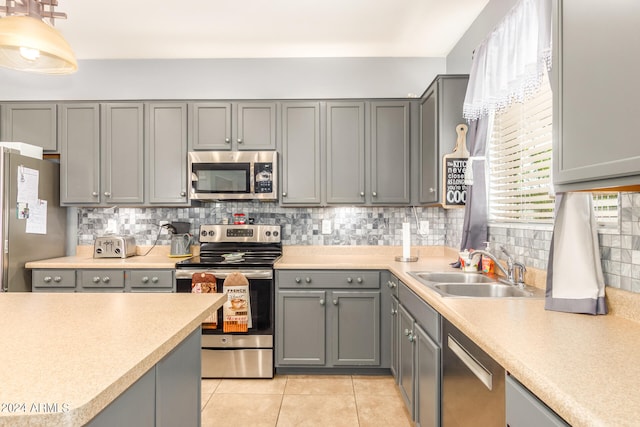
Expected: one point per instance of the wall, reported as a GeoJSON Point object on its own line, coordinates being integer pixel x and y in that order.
{"type": "Point", "coordinates": [278, 78]}
{"type": "Point", "coordinates": [300, 226]}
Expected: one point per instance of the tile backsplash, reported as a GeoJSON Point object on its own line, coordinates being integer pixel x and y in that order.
{"type": "Point", "coordinates": [619, 248]}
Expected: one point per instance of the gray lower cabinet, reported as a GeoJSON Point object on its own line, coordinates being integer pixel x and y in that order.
{"type": "Point", "coordinates": [31, 123]}
{"type": "Point", "coordinates": [327, 318]}
{"type": "Point", "coordinates": [595, 92]}
{"type": "Point", "coordinates": [301, 154]}
{"type": "Point", "coordinates": [166, 179]}
{"type": "Point", "coordinates": [440, 113]}
{"type": "Point", "coordinates": [345, 170]}
{"type": "Point", "coordinates": [389, 172]}
{"type": "Point", "coordinates": [167, 395]}
{"type": "Point", "coordinates": [101, 154]}
{"type": "Point", "coordinates": [103, 280]}
{"type": "Point", "coordinates": [233, 126]}
{"type": "Point", "coordinates": [419, 357]}
{"type": "Point", "coordinates": [524, 409]}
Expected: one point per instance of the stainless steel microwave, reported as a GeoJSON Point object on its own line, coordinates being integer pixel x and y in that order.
{"type": "Point", "coordinates": [233, 175]}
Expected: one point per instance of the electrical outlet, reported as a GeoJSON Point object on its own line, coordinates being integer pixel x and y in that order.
{"type": "Point", "coordinates": [424, 227]}
{"type": "Point", "coordinates": [326, 226]}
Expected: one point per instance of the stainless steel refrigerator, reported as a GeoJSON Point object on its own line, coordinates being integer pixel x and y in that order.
{"type": "Point", "coordinates": [24, 241]}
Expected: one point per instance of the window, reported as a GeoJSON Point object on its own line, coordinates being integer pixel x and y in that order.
{"type": "Point", "coordinates": [519, 157]}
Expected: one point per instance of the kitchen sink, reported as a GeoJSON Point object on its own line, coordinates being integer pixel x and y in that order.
{"type": "Point", "coordinates": [453, 277]}
{"type": "Point", "coordinates": [473, 285]}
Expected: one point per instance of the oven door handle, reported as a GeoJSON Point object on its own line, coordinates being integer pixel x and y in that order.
{"type": "Point", "coordinates": [222, 274]}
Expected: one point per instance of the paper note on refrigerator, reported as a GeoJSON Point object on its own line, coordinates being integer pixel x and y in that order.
{"type": "Point", "coordinates": [37, 220]}
{"type": "Point", "coordinates": [28, 185]}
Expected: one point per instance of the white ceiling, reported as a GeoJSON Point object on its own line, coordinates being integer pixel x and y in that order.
{"type": "Point", "coordinates": [265, 28]}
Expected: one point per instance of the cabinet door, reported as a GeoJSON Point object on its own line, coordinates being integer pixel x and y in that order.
{"type": "Point", "coordinates": [301, 151]}
{"type": "Point", "coordinates": [395, 338]}
{"type": "Point", "coordinates": [33, 124]}
{"type": "Point", "coordinates": [429, 153]}
{"type": "Point", "coordinates": [167, 153]}
{"type": "Point", "coordinates": [300, 330]}
{"type": "Point", "coordinates": [80, 154]}
{"type": "Point", "coordinates": [123, 153]}
{"type": "Point", "coordinates": [405, 358]}
{"type": "Point", "coordinates": [595, 98]}
{"type": "Point", "coordinates": [345, 152]}
{"type": "Point", "coordinates": [211, 126]}
{"type": "Point", "coordinates": [256, 126]}
{"type": "Point", "coordinates": [427, 377]}
{"type": "Point", "coordinates": [355, 337]}
{"type": "Point", "coordinates": [390, 169]}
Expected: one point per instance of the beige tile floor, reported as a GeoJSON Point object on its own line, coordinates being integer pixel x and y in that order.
{"type": "Point", "coordinates": [304, 400]}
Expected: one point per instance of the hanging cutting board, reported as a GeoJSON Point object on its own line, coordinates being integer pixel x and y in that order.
{"type": "Point", "coordinates": [454, 165]}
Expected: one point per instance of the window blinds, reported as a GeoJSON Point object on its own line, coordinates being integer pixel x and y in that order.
{"type": "Point", "coordinates": [520, 165]}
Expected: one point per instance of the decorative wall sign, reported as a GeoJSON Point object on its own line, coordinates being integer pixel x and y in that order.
{"type": "Point", "coordinates": [454, 165]}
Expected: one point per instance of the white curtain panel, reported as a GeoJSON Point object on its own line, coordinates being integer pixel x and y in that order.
{"type": "Point", "coordinates": [509, 64]}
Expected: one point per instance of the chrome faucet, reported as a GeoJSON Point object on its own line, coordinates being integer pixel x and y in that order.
{"type": "Point", "coordinates": [511, 266]}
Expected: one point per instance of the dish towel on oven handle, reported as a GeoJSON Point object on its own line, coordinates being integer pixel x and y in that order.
{"type": "Point", "coordinates": [204, 283]}
{"type": "Point", "coordinates": [237, 308]}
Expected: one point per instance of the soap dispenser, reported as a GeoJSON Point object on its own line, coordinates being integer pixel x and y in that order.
{"type": "Point", "coordinates": [488, 266]}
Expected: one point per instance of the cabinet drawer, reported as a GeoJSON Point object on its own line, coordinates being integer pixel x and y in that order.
{"type": "Point", "coordinates": [53, 279]}
{"type": "Point", "coordinates": [150, 279]}
{"type": "Point", "coordinates": [423, 313]}
{"type": "Point", "coordinates": [105, 279]}
{"type": "Point", "coordinates": [524, 409]}
{"type": "Point", "coordinates": [351, 279]}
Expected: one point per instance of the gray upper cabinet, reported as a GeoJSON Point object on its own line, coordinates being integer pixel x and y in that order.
{"type": "Point", "coordinates": [233, 126]}
{"type": "Point", "coordinates": [390, 153]}
{"type": "Point", "coordinates": [80, 154]}
{"type": "Point", "coordinates": [101, 154]}
{"type": "Point", "coordinates": [167, 153]}
{"type": "Point", "coordinates": [440, 113]}
{"type": "Point", "coordinates": [596, 90]}
{"type": "Point", "coordinates": [301, 153]}
{"type": "Point", "coordinates": [345, 152]}
{"type": "Point", "coordinates": [122, 154]}
{"type": "Point", "coordinates": [31, 123]}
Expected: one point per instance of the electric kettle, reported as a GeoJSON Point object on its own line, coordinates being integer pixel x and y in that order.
{"type": "Point", "coordinates": [180, 244]}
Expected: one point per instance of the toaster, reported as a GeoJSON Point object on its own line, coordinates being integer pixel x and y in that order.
{"type": "Point", "coordinates": [114, 246]}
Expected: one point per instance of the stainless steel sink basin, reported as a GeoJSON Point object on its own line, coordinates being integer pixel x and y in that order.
{"type": "Point", "coordinates": [473, 285]}
{"type": "Point", "coordinates": [487, 290]}
{"type": "Point", "coordinates": [452, 277]}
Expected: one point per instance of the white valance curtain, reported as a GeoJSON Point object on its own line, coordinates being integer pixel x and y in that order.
{"type": "Point", "coordinates": [509, 64]}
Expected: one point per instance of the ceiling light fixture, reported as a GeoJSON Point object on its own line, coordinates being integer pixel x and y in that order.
{"type": "Point", "coordinates": [28, 43]}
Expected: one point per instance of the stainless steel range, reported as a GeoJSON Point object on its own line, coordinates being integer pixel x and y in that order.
{"type": "Point", "coordinates": [250, 250]}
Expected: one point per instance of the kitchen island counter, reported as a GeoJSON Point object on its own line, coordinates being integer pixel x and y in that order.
{"type": "Point", "coordinates": [65, 357]}
{"type": "Point", "coordinates": [582, 366]}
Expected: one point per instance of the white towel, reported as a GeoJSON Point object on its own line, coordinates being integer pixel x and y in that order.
{"type": "Point", "coordinates": [575, 282]}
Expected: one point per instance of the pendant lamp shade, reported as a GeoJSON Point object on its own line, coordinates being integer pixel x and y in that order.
{"type": "Point", "coordinates": [29, 44]}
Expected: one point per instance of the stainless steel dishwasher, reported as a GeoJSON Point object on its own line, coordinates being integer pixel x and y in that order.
{"type": "Point", "coordinates": [472, 383]}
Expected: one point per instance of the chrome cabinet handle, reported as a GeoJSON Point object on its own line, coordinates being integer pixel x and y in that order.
{"type": "Point", "coordinates": [391, 284]}
{"type": "Point", "coordinates": [46, 279]}
{"type": "Point", "coordinates": [407, 332]}
{"type": "Point", "coordinates": [349, 280]}
{"type": "Point", "coordinates": [432, 190]}
{"type": "Point", "coordinates": [107, 194]}
{"type": "Point", "coordinates": [374, 194]}
{"type": "Point", "coordinates": [308, 279]}
{"type": "Point", "coordinates": [94, 194]}
{"type": "Point", "coordinates": [227, 140]}
{"type": "Point", "coordinates": [239, 141]}
{"type": "Point", "coordinates": [106, 279]}
{"type": "Point", "coordinates": [411, 337]}
{"type": "Point", "coordinates": [96, 279]}
{"type": "Point", "coordinates": [335, 302]}
{"type": "Point", "coordinates": [154, 280]}
{"type": "Point", "coordinates": [321, 301]}
{"type": "Point", "coordinates": [57, 279]}
{"type": "Point", "coordinates": [145, 279]}
{"type": "Point", "coordinates": [359, 280]}
{"type": "Point", "coordinates": [394, 311]}
{"type": "Point", "coordinates": [298, 280]}
{"type": "Point", "coordinates": [362, 194]}
{"type": "Point", "coordinates": [183, 193]}
{"type": "Point", "coordinates": [284, 194]}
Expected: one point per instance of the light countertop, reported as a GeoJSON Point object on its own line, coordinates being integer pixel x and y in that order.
{"type": "Point", "coordinates": [584, 367]}
{"type": "Point", "coordinates": [78, 352]}
{"type": "Point", "coordinates": [158, 258]}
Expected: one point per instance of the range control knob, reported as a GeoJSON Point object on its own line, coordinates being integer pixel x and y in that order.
{"type": "Point", "coordinates": [267, 233]}
{"type": "Point", "coordinates": [212, 233]}
{"type": "Point", "coordinates": [275, 233]}
{"type": "Point", "coordinates": [203, 233]}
